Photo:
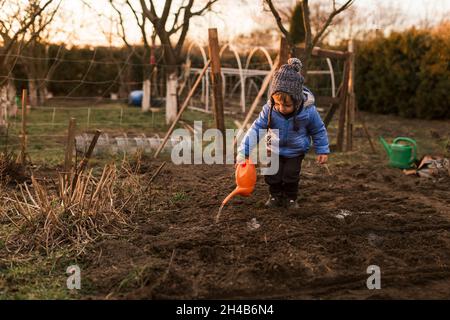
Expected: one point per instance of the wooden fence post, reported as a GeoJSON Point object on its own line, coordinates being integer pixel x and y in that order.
{"type": "Point", "coordinates": [53, 117]}
{"type": "Point", "coordinates": [85, 160]}
{"type": "Point", "coordinates": [24, 128]}
{"type": "Point", "coordinates": [88, 118]}
{"type": "Point", "coordinates": [283, 52]}
{"type": "Point", "coordinates": [332, 109]}
{"type": "Point", "coordinates": [216, 80]}
{"type": "Point", "coordinates": [350, 98]}
{"type": "Point", "coordinates": [343, 109]}
{"type": "Point", "coordinates": [69, 148]}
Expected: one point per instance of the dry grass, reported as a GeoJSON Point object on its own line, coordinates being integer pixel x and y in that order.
{"type": "Point", "coordinates": [75, 213]}
{"type": "Point", "coordinates": [135, 183]}
{"type": "Point", "coordinates": [10, 171]}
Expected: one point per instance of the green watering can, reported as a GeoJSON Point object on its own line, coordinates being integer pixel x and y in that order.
{"type": "Point", "coordinates": [401, 155]}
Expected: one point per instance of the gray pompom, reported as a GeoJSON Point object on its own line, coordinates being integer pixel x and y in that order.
{"type": "Point", "coordinates": [296, 63]}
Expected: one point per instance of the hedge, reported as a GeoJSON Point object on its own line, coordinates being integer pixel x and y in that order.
{"type": "Point", "coordinates": [406, 73]}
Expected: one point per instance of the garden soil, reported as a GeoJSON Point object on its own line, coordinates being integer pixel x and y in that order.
{"type": "Point", "coordinates": [360, 215]}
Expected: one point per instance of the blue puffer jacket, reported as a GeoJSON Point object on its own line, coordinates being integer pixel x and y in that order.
{"type": "Point", "coordinates": [291, 143]}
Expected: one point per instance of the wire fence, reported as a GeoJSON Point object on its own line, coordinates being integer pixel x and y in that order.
{"type": "Point", "coordinates": [102, 74]}
{"type": "Point", "coordinates": [125, 130]}
{"type": "Point", "coordinates": [96, 88]}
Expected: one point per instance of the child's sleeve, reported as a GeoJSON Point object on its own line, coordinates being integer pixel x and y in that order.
{"type": "Point", "coordinates": [254, 134]}
{"type": "Point", "coordinates": [318, 132]}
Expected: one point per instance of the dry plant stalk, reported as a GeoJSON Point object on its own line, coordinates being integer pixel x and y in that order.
{"type": "Point", "coordinates": [10, 171]}
{"type": "Point", "coordinates": [49, 219]}
{"type": "Point", "coordinates": [132, 187]}
{"type": "Point", "coordinates": [4, 165]}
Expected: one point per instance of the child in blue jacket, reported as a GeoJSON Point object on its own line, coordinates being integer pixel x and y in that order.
{"type": "Point", "coordinates": [291, 109]}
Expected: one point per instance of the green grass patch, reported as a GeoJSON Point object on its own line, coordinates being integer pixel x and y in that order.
{"type": "Point", "coordinates": [39, 278]}
{"type": "Point", "coordinates": [47, 126]}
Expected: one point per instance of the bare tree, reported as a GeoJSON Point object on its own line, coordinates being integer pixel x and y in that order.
{"type": "Point", "coordinates": [170, 32]}
{"type": "Point", "coordinates": [172, 53]}
{"type": "Point", "coordinates": [310, 40]}
{"type": "Point", "coordinates": [144, 57]}
{"type": "Point", "coordinates": [16, 19]}
{"type": "Point", "coordinates": [36, 62]}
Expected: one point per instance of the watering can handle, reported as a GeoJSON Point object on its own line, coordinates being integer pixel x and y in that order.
{"type": "Point", "coordinates": [410, 141]}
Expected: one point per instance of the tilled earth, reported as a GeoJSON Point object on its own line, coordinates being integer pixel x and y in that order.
{"type": "Point", "coordinates": [360, 215]}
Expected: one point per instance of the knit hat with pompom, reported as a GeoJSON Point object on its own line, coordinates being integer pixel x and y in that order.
{"type": "Point", "coordinates": [289, 80]}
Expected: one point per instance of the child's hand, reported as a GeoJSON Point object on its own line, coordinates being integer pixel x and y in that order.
{"type": "Point", "coordinates": [240, 159]}
{"type": "Point", "coordinates": [322, 158]}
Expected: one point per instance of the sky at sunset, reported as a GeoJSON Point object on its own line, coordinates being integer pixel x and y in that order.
{"type": "Point", "coordinates": [92, 21]}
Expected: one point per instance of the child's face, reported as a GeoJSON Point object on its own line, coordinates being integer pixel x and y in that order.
{"type": "Point", "coordinates": [283, 104]}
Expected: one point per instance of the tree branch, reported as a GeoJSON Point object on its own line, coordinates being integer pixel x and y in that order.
{"type": "Point", "coordinates": [175, 28]}
{"type": "Point", "coordinates": [25, 26]}
{"type": "Point", "coordinates": [206, 7]}
{"type": "Point", "coordinates": [166, 11]}
{"type": "Point", "coordinates": [139, 23]}
{"type": "Point", "coordinates": [144, 33]}
{"type": "Point", "coordinates": [188, 14]}
{"type": "Point", "coordinates": [42, 25]}
{"type": "Point", "coordinates": [185, 28]}
{"type": "Point", "coordinates": [149, 12]}
{"type": "Point", "coordinates": [330, 19]}
{"type": "Point", "coordinates": [121, 24]}
{"type": "Point", "coordinates": [171, 54]}
{"type": "Point", "coordinates": [278, 20]}
{"type": "Point", "coordinates": [307, 23]}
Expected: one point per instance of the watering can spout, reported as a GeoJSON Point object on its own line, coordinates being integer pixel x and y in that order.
{"type": "Point", "coordinates": [231, 195]}
{"type": "Point", "coordinates": [386, 146]}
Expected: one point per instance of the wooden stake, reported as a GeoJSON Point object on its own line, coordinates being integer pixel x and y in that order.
{"type": "Point", "coordinates": [53, 117]}
{"type": "Point", "coordinates": [86, 158]}
{"type": "Point", "coordinates": [255, 103]}
{"type": "Point", "coordinates": [69, 147]}
{"type": "Point", "coordinates": [185, 104]}
{"type": "Point", "coordinates": [24, 128]}
{"type": "Point", "coordinates": [216, 80]}
{"type": "Point", "coordinates": [332, 109]}
{"type": "Point", "coordinates": [366, 130]}
{"type": "Point", "coordinates": [350, 98]}
{"type": "Point", "coordinates": [283, 52]}
{"type": "Point", "coordinates": [88, 118]}
{"type": "Point", "coordinates": [342, 106]}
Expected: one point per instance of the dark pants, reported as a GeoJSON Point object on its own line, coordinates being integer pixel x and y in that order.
{"type": "Point", "coordinates": [285, 181]}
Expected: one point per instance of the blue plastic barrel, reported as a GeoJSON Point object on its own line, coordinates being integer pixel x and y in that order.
{"type": "Point", "coordinates": [135, 98]}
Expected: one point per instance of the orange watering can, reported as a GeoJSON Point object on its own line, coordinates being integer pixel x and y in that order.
{"type": "Point", "coordinates": [245, 181]}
